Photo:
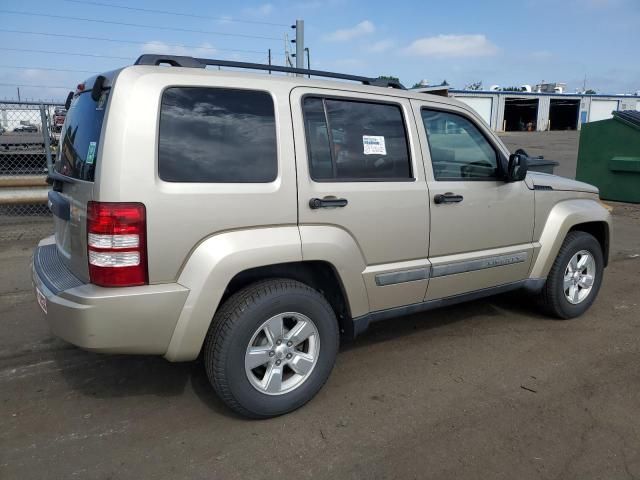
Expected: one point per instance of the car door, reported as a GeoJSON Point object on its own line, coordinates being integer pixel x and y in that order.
{"type": "Point", "coordinates": [481, 226]}
{"type": "Point", "coordinates": [362, 195]}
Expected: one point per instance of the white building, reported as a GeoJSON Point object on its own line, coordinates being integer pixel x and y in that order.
{"type": "Point", "coordinates": [540, 111]}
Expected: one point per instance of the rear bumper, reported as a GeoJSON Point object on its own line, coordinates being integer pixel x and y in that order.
{"type": "Point", "coordinates": [135, 320]}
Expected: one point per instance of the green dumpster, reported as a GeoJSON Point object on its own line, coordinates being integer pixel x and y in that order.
{"type": "Point", "coordinates": [609, 156]}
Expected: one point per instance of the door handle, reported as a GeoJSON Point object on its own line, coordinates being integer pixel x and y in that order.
{"type": "Point", "coordinates": [447, 198]}
{"type": "Point", "coordinates": [315, 203]}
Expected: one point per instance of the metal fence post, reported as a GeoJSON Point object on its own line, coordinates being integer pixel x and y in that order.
{"type": "Point", "coordinates": [46, 135]}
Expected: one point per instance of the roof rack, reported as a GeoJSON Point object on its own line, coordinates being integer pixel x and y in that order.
{"type": "Point", "coordinates": [191, 62]}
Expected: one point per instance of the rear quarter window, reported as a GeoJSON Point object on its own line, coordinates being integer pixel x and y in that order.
{"type": "Point", "coordinates": [217, 135]}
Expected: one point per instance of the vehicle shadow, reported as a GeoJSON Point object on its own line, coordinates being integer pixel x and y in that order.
{"type": "Point", "coordinates": [117, 376]}
{"type": "Point", "coordinates": [507, 305]}
{"type": "Point", "coordinates": [111, 376]}
{"type": "Point", "coordinates": [105, 376]}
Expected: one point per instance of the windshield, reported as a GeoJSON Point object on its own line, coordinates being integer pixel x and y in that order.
{"type": "Point", "coordinates": [81, 137]}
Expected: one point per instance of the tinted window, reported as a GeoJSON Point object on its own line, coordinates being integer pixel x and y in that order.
{"type": "Point", "coordinates": [352, 140]}
{"type": "Point", "coordinates": [318, 139]}
{"type": "Point", "coordinates": [459, 151]}
{"type": "Point", "coordinates": [81, 137]}
{"type": "Point", "coordinates": [217, 135]}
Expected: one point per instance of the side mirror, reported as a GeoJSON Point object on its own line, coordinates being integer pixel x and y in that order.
{"type": "Point", "coordinates": [517, 167]}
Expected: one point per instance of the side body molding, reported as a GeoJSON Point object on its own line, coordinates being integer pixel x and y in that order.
{"type": "Point", "coordinates": [210, 268]}
{"type": "Point", "coordinates": [562, 217]}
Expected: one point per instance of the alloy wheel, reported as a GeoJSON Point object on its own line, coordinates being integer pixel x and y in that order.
{"type": "Point", "coordinates": [579, 276]}
{"type": "Point", "coordinates": [282, 353]}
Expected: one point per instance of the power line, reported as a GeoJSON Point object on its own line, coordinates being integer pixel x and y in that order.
{"type": "Point", "coordinates": [46, 68]}
{"type": "Point", "coordinates": [138, 25]}
{"type": "Point", "coordinates": [29, 50]}
{"type": "Point", "coordinates": [181, 14]}
{"type": "Point", "coordinates": [33, 86]}
{"type": "Point", "coordinates": [130, 42]}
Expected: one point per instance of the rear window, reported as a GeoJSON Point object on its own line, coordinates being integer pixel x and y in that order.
{"type": "Point", "coordinates": [81, 137]}
{"type": "Point", "coordinates": [217, 135]}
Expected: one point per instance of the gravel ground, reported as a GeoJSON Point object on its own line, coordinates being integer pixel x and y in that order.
{"type": "Point", "coordinates": [559, 146]}
{"type": "Point", "coordinates": [489, 389]}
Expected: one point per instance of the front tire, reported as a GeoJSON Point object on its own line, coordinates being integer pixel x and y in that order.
{"type": "Point", "coordinates": [271, 347]}
{"type": "Point", "coordinates": [575, 277]}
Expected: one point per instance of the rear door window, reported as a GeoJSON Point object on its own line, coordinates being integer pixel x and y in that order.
{"type": "Point", "coordinates": [359, 141]}
{"type": "Point", "coordinates": [217, 135]}
{"type": "Point", "coordinates": [81, 137]}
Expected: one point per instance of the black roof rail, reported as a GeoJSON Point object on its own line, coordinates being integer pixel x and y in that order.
{"type": "Point", "coordinates": [191, 62]}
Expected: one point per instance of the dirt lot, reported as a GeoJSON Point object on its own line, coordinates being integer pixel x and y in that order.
{"type": "Point", "coordinates": [559, 146]}
{"type": "Point", "coordinates": [490, 389]}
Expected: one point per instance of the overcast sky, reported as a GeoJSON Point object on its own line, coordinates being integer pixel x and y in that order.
{"type": "Point", "coordinates": [506, 43]}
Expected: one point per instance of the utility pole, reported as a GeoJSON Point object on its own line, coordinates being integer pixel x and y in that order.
{"type": "Point", "coordinates": [18, 93]}
{"type": "Point", "coordinates": [299, 41]}
{"type": "Point", "coordinates": [269, 60]}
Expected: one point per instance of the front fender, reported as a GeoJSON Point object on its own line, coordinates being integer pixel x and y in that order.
{"type": "Point", "coordinates": [562, 217]}
{"type": "Point", "coordinates": [211, 267]}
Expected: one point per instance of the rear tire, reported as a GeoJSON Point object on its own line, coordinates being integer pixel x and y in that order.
{"type": "Point", "coordinates": [266, 322]}
{"type": "Point", "coordinates": [575, 277]}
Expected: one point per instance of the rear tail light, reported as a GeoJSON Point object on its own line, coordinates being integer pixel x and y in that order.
{"type": "Point", "coordinates": [117, 244]}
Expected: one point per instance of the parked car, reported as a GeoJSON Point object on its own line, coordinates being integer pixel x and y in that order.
{"type": "Point", "coordinates": [26, 128]}
{"type": "Point", "coordinates": [257, 219]}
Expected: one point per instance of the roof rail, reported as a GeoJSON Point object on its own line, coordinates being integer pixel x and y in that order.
{"type": "Point", "coordinates": [191, 62]}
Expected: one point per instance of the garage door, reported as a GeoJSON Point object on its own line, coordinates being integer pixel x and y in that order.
{"type": "Point", "coordinates": [601, 109]}
{"type": "Point", "coordinates": [481, 105]}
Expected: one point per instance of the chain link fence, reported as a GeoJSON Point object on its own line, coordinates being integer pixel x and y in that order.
{"type": "Point", "coordinates": [28, 138]}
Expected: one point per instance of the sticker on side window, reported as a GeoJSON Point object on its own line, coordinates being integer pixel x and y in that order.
{"type": "Point", "coordinates": [374, 145]}
{"type": "Point", "coordinates": [91, 153]}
